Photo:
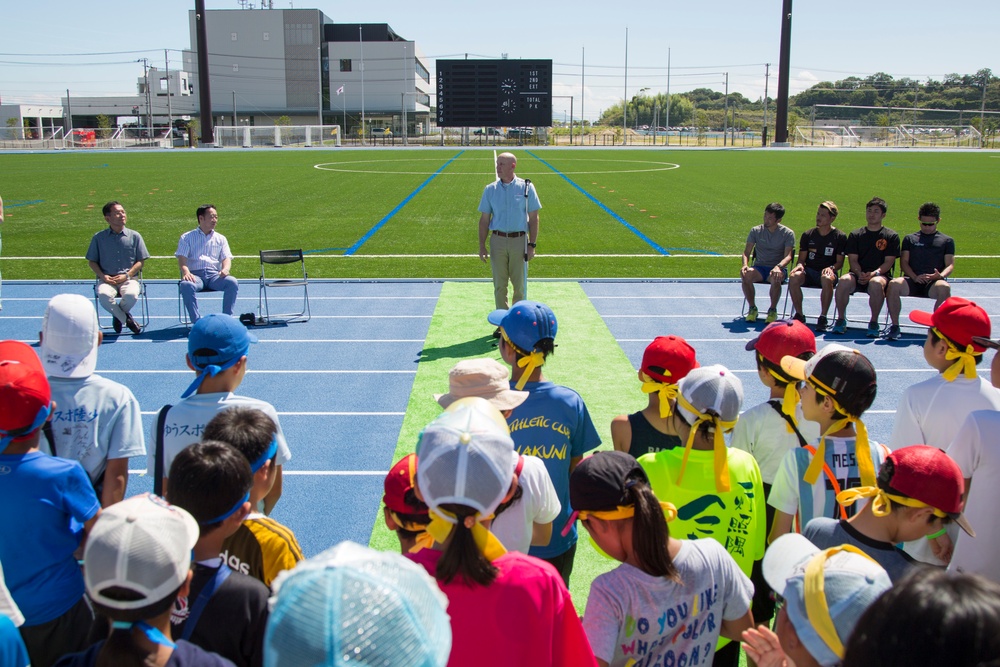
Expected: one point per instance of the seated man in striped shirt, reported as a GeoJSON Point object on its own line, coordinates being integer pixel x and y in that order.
{"type": "Point", "coordinates": [205, 260]}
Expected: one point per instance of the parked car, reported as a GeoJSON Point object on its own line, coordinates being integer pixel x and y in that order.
{"type": "Point", "coordinates": [490, 132]}
{"type": "Point", "coordinates": [519, 132]}
{"type": "Point", "coordinates": [377, 132]}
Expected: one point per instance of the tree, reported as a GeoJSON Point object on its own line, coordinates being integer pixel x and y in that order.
{"type": "Point", "coordinates": [283, 120]}
{"type": "Point", "coordinates": [104, 126]}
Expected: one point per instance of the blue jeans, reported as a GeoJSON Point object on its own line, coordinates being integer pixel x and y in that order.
{"type": "Point", "coordinates": [208, 282]}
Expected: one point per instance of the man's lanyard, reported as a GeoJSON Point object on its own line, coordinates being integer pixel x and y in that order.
{"type": "Point", "coordinates": [203, 597]}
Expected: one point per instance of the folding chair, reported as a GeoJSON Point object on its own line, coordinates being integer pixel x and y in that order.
{"type": "Point", "coordinates": [143, 304]}
{"type": "Point", "coordinates": [274, 258]}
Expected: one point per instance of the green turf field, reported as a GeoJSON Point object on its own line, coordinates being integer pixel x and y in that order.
{"type": "Point", "coordinates": [689, 204]}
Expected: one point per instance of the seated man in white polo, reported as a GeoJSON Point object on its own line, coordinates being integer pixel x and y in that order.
{"type": "Point", "coordinates": [205, 262]}
{"type": "Point", "coordinates": [116, 256]}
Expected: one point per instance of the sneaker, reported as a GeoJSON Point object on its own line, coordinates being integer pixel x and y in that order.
{"type": "Point", "coordinates": [873, 330]}
{"type": "Point", "coordinates": [752, 314]}
{"type": "Point", "coordinates": [894, 333]}
{"type": "Point", "coordinates": [132, 325]}
{"type": "Point", "coordinates": [496, 333]}
{"type": "Point", "coordinates": [840, 326]}
{"type": "Point", "coordinates": [822, 323]}
{"type": "Point", "coordinates": [772, 315]}
{"type": "Point", "coordinates": [117, 325]}
{"type": "Point", "coordinates": [800, 317]}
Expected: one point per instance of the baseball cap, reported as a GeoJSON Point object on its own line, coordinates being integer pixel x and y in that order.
{"type": "Point", "coordinates": [525, 323]}
{"type": "Point", "coordinates": [714, 395]}
{"type": "Point", "coordinates": [668, 359]}
{"type": "Point", "coordinates": [216, 342]}
{"type": "Point", "coordinates": [825, 592]}
{"type": "Point", "coordinates": [985, 342]}
{"type": "Point", "coordinates": [929, 475]}
{"type": "Point", "coordinates": [465, 457]}
{"type": "Point", "coordinates": [831, 207]}
{"type": "Point", "coordinates": [486, 378]}
{"type": "Point", "coordinates": [25, 397]}
{"type": "Point", "coordinates": [142, 544]}
{"type": "Point", "coordinates": [399, 482]}
{"type": "Point", "coordinates": [959, 320]}
{"type": "Point", "coordinates": [783, 337]}
{"type": "Point", "coordinates": [351, 605]}
{"type": "Point", "coordinates": [70, 337]}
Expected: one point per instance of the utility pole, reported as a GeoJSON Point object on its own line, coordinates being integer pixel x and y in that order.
{"type": "Point", "coordinates": [204, 94]}
{"type": "Point", "coordinates": [784, 64]}
{"type": "Point", "coordinates": [361, 41]}
{"type": "Point", "coordinates": [170, 115]}
{"type": "Point", "coordinates": [149, 110]}
{"type": "Point", "coordinates": [725, 114]}
{"type": "Point", "coordinates": [767, 79]}
{"type": "Point", "coordinates": [666, 122]}
{"type": "Point", "coordinates": [625, 96]}
{"type": "Point", "coordinates": [583, 73]}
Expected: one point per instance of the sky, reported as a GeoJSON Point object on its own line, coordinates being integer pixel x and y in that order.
{"type": "Point", "coordinates": [92, 49]}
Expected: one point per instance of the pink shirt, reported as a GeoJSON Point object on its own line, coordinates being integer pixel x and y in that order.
{"type": "Point", "coordinates": [525, 617]}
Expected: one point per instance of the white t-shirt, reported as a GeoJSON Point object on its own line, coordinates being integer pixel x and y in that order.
{"type": "Point", "coordinates": [976, 450]}
{"type": "Point", "coordinates": [539, 504]}
{"type": "Point", "coordinates": [763, 433]}
{"type": "Point", "coordinates": [634, 617]}
{"type": "Point", "coordinates": [186, 421]}
{"type": "Point", "coordinates": [931, 411]}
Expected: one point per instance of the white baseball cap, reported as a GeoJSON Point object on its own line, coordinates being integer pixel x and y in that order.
{"type": "Point", "coordinates": [70, 337]}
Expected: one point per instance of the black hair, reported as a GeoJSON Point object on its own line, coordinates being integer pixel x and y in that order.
{"type": "Point", "coordinates": [247, 429]}
{"type": "Point", "coordinates": [834, 212]}
{"type": "Point", "coordinates": [777, 209]}
{"type": "Point", "coordinates": [546, 346]}
{"type": "Point", "coordinates": [929, 209]}
{"type": "Point", "coordinates": [877, 201]}
{"type": "Point", "coordinates": [704, 427]}
{"type": "Point", "coordinates": [120, 649]}
{"type": "Point", "coordinates": [203, 209]}
{"type": "Point", "coordinates": [411, 499]}
{"type": "Point", "coordinates": [782, 380]}
{"type": "Point", "coordinates": [649, 529]}
{"type": "Point", "coordinates": [978, 356]}
{"type": "Point", "coordinates": [106, 209]}
{"type": "Point", "coordinates": [502, 507]}
{"type": "Point", "coordinates": [206, 479]}
{"type": "Point", "coordinates": [461, 557]}
{"type": "Point", "coordinates": [932, 617]}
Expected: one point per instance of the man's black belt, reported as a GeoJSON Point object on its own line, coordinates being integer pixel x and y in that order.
{"type": "Point", "coordinates": [510, 235]}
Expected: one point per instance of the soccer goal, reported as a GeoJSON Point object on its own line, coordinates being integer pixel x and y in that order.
{"type": "Point", "coordinates": [942, 136]}
{"type": "Point", "coordinates": [825, 135]}
{"type": "Point", "coordinates": [254, 136]}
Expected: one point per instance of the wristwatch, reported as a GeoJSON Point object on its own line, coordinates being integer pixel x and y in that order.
{"type": "Point", "coordinates": [533, 245]}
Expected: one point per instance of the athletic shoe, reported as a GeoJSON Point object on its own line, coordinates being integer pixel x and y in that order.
{"type": "Point", "coordinates": [117, 324]}
{"type": "Point", "coordinates": [752, 314]}
{"type": "Point", "coordinates": [873, 330]}
{"type": "Point", "coordinates": [840, 326]}
{"type": "Point", "coordinates": [132, 325]}
{"type": "Point", "coordinates": [496, 333]}
{"type": "Point", "coordinates": [772, 315]}
{"type": "Point", "coordinates": [800, 317]}
{"type": "Point", "coordinates": [894, 333]}
{"type": "Point", "coordinates": [822, 323]}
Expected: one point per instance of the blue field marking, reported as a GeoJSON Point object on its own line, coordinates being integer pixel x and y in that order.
{"type": "Point", "coordinates": [25, 202]}
{"type": "Point", "coordinates": [371, 232]}
{"type": "Point", "coordinates": [995, 203]}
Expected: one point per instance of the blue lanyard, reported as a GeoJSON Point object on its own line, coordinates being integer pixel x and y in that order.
{"type": "Point", "coordinates": [203, 597]}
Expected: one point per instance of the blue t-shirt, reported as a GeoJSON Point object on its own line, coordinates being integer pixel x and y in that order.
{"type": "Point", "coordinates": [185, 654]}
{"type": "Point", "coordinates": [554, 425]}
{"type": "Point", "coordinates": [12, 650]}
{"type": "Point", "coordinates": [48, 499]}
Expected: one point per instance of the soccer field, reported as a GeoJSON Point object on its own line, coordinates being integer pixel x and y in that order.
{"type": "Point", "coordinates": [411, 213]}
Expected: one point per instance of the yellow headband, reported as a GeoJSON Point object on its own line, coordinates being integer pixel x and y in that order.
{"type": "Point", "coordinates": [666, 391]}
{"type": "Point", "coordinates": [866, 467]}
{"type": "Point", "coordinates": [817, 609]}
{"type": "Point", "coordinates": [881, 505]}
{"type": "Point", "coordinates": [965, 360]}
{"type": "Point", "coordinates": [719, 445]}
{"type": "Point", "coordinates": [791, 398]}
{"type": "Point", "coordinates": [626, 512]}
{"type": "Point", "coordinates": [442, 523]}
{"type": "Point", "coordinates": [529, 361]}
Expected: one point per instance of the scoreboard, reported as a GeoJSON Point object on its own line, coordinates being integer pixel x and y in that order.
{"type": "Point", "coordinates": [494, 93]}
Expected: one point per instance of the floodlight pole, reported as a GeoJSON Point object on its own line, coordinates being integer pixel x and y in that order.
{"type": "Point", "coordinates": [767, 79]}
{"type": "Point", "coordinates": [666, 122]}
{"type": "Point", "coordinates": [204, 94]}
{"type": "Point", "coordinates": [781, 115]}
{"type": "Point", "coordinates": [625, 96]}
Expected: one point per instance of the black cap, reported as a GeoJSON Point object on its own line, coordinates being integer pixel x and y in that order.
{"type": "Point", "coordinates": [599, 482]}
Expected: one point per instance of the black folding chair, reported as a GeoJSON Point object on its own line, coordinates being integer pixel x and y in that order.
{"type": "Point", "coordinates": [142, 303]}
{"type": "Point", "coordinates": [274, 259]}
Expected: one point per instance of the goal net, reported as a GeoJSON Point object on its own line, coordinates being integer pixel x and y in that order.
{"type": "Point", "coordinates": [252, 136]}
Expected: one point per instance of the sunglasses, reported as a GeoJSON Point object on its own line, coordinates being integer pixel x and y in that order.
{"type": "Point", "coordinates": [927, 224]}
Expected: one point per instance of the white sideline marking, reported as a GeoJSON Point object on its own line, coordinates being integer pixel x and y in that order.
{"type": "Point", "coordinates": [274, 372]}
{"type": "Point", "coordinates": [319, 414]}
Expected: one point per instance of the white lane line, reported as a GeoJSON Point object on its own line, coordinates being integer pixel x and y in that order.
{"type": "Point", "coordinates": [318, 414]}
{"type": "Point", "coordinates": [274, 372]}
{"type": "Point", "coordinates": [326, 473]}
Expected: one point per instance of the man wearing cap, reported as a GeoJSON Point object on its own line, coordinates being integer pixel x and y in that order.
{"type": "Point", "coordinates": [553, 423]}
{"type": "Point", "coordinates": [205, 261]}
{"type": "Point", "coordinates": [871, 251]}
{"type": "Point", "coordinates": [96, 421]}
{"type": "Point", "coordinates": [823, 595]}
{"type": "Point", "coordinates": [218, 346]}
{"type": "Point", "coordinates": [821, 258]}
{"type": "Point", "coordinates": [919, 492]}
{"type": "Point", "coordinates": [509, 217]}
{"type": "Point", "coordinates": [772, 244]}
{"type": "Point", "coordinates": [665, 362]}
{"type": "Point", "coordinates": [927, 259]}
{"type": "Point", "coordinates": [116, 256]}
{"type": "Point", "coordinates": [50, 507]}
{"type": "Point", "coordinates": [527, 519]}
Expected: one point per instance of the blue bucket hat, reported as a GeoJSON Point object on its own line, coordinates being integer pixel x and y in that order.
{"type": "Point", "coordinates": [215, 343]}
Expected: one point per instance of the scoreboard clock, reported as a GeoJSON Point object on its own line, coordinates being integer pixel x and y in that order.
{"type": "Point", "coordinates": [494, 93]}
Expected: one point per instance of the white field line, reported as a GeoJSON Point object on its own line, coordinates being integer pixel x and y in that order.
{"type": "Point", "coordinates": [319, 414]}
{"type": "Point", "coordinates": [275, 372]}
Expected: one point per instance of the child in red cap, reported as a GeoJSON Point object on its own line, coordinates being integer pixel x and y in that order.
{"type": "Point", "coordinates": [666, 360]}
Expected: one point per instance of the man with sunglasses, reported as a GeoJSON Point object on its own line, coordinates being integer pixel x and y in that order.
{"type": "Point", "coordinates": [926, 260]}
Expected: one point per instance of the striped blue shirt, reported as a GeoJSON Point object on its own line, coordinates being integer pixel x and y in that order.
{"type": "Point", "coordinates": [203, 252]}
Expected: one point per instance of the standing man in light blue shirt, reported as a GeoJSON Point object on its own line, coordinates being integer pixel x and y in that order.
{"type": "Point", "coordinates": [205, 261]}
{"type": "Point", "coordinates": [509, 216]}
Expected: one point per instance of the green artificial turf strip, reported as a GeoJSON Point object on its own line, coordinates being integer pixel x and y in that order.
{"type": "Point", "coordinates": [277, 198]}
{"type": "Point", "coordinates": [587, 359]}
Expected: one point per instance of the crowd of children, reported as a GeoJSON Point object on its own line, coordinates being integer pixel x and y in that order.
{"type": "Point", "coordinates": [687, 500]}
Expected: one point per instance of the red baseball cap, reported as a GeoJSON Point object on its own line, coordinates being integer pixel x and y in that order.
{"type": "Point", "coordinates": [784, 338]}
{"type": "Point", "coordinates": [24, 391]}
{"type": "Point", "coordinates": [400, 480]}
{"type": "Point", "coordinates": [959, 319]}
{"type": "Point", "coordinates": [929, 475]}
{"type": "Point", "coordinates": [668, 359]}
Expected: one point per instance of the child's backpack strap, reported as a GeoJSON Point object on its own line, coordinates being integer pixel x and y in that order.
{"type": "Point", "coordinates": [805, 489]}
{"type": "Point", "coordinates": [158, 472]}
{"type": "Point", "coordinates": [776, 404]}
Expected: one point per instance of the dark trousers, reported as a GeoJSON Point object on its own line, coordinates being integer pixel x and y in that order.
{"type": "Point", "coordinates": [563, 563]}
{"type": "Point", "coordinates": [69, 633]}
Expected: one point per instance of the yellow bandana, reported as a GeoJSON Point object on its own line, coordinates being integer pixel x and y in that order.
{"type": "Point", "coordinates": [791, 397]}
{"type": "Point", "coordinates": [881, 505]}
{"type": "Point", "coordinates": [866, 467]}
{"type": "Point", "coordinates": [529, 361]}
{"type": "Point", "coordinates": [817, 609]}
{"type": "Point", "coordinates": [666, 391]}
{"type": "Point", "coordinates": [442, 523]}
{"type": "Point", "coordinates": [626, 512]}
{"type": "Point", "coordinates": [719, 445]}
{"type": "Point", "coordinates": [965, 361]}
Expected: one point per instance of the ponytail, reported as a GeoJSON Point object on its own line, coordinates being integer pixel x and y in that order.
{"type": "Point", "coordinates": [121, 649]}
{"type": "Point", "coordinates": [461, 557]}
{"type": "Point", "coordinates": [649, 531]}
